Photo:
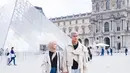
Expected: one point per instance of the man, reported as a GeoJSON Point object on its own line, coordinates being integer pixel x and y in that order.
{"type": "Point", "coordinates": [102, 52]}
{"type": "Point", "coordinates": [13, 56]}
{"type": "Point", "coordinates": [52, 59]}
{"type": "Point", "coordinates": [107, 51]}
{"type": "Point", "coordinates": [111, 51]}
{"type": "Point", "coordinates": [126, 51]}
{"type": "Point", "coordinates": [75, 56]}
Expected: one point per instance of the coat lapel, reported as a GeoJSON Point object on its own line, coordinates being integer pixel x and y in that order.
{"type": "Point", "coordinates": [53, 56]}
{"type": "Point", "coordinates": [78, 50]}
{"type": "Point", "coordinates": [48, 57]}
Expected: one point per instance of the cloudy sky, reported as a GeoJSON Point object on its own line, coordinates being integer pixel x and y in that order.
{"type": "Point", "coordinates": [56, 8]}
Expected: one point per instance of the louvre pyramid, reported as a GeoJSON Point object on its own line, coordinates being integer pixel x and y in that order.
{"type": "Point", "coordinates": [24, 27]}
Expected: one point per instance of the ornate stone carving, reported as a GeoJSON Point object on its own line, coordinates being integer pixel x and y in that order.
{"type": "Point", "coordinates": [117, 16]}
{"type": "Point", "coordinates": [99, 17]}
{"type": "Point", "coordinates": [102, 4]}
{"type": "Point", "coordinates": [76, 28]}
{"type": "Point", "coordinates": [113, 3]}
{"type": "Point", "coordinates": [83, 28]}
{"type": "Point", "coordinates": [90, 28]}
{"type": "Point", "coordinates": [123, 2]}
{"type": "Point", "coordinates": [70, 29]}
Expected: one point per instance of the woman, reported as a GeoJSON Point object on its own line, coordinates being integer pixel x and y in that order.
{"type": "Point", "coordinates": [52, 59]}
{"type": "Point", "coordinates": [13, 56]}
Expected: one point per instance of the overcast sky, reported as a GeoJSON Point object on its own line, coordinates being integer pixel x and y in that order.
{"type": "Point", "coordinates": [56, 8]}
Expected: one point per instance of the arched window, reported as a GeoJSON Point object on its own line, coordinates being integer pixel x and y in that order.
{"type": "Point", "coordinates": [106, 27]}
{"type": "Point", "coordinates": [118, 46]}
{"type": "Point", "coordinates": [118, 28]}
{"type": "Point", "coordinates": [118, 2]}
{"type": "Point", "coordinates": [107, 4]}
{"type": "Point", "coordinates": [97, 7]}
{"type": "Point", "coordinates": [107, 41]}
{"type": "Point", "coordinates": [86, 42]}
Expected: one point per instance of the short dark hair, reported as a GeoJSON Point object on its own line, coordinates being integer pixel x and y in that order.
{"type": "Point", "coordinates": [12, 47]}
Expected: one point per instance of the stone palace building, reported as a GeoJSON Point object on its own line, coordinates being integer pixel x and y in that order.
{"type": "Point", "coordinates": [109, 22]}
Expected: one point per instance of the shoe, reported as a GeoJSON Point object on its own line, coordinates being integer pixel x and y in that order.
{"type": "Point", "coordinates": [8, 64]}
{"type": "Point", "coordinates": [15, 64]}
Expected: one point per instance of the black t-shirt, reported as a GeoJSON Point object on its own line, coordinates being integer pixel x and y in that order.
{"type": "Point", "coordinates": [54, 61]}
{"type": "Point", "coordinates": [75, 63]}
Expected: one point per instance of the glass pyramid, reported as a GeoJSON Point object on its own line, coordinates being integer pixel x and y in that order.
{"type": "Point", "coordinates": [25, 28]}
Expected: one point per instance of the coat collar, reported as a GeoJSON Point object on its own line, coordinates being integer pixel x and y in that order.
{"type": "Point", "coordinates": [48, 57]}
{"type": "Point", "coordinates": [78, 50]}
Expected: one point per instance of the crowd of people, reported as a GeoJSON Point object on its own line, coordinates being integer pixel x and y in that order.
{"type": "Point", "coordinates": [109, 51]}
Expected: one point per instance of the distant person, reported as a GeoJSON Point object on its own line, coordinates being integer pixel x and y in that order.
{"type": "Point", "coordinates": [90, 54]}
{"type": "Point", "coordinates": [102, 52]}
{"type": "Point", "coordinates": [13, 56]}
{"type": "Point", "coordinates": [8, 57]}
{"type": "Point", "coordinates": [126, 51]}
{"type": "Point", "coordinates": [1, 51]}
{"type": "Point", "coordinates": [6, 51]}
{"type": "Point", "coordinates": [111, 51]}
{"type": "Point", "coordinates": [107, 51]}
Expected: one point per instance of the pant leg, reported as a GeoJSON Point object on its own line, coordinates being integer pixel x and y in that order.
{"type": "Point", "coordinates": [10, 61]}
{"type": "Point", "coordinates": [125, 53]}
{"type": "Point", "coordinates": [91, 57]}
{"type": "Point", "coordinates": [14, 61]}
{"type": "Point", "coordinates": [72, 71]}
{"type": "Point", "coordinates": [75, 71]}
{"type": "Point", "coordinates": [53, 70]}
{"type": "Point", "coordinates": [88, 59]}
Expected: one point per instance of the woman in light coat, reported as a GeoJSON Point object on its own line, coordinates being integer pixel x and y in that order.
{"type": "Point", "coordinates": [52, 59]}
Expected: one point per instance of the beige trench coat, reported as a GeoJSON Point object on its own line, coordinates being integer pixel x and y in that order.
{"type": "Point", "coordinates": [46, 65]}
{"type": "Point", "coordinates": [69, 54]}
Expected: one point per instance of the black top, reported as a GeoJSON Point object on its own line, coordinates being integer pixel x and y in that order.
{"type": "Point", "coordinates": [75, 63]}
{"type": "Point", "coordinates": [89, 51]}
{"type": "Point", "coordinates": [126, 50]}
{"type": "Point", "coordinates": [54, 61]}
